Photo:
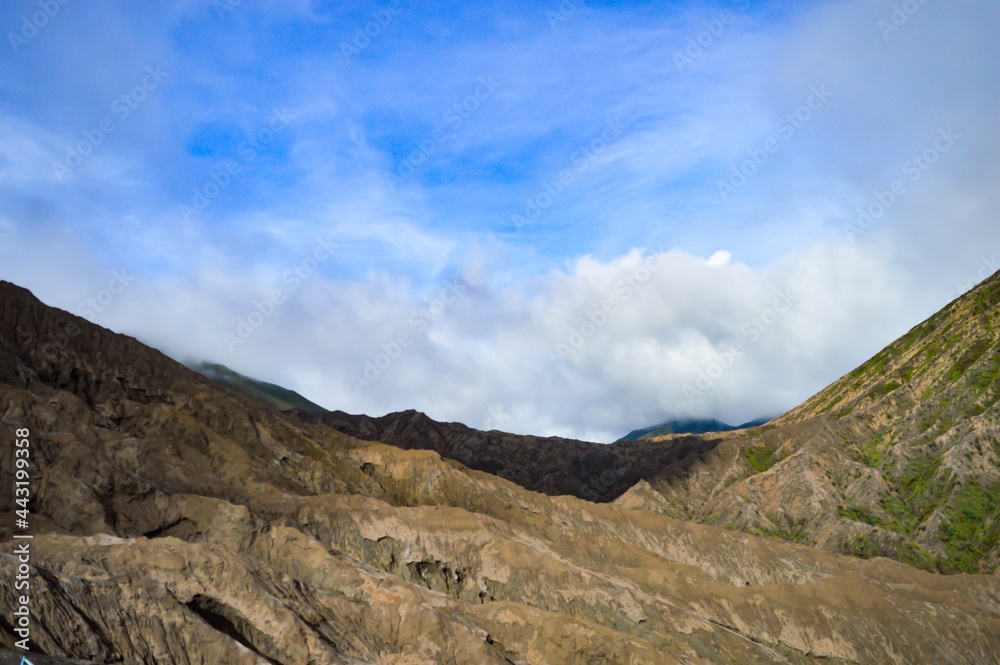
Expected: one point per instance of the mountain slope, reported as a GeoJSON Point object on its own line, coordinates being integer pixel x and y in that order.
{"type": "Point", "coordinates": [899, 458]}
{"type": "Point", "coordinates": [178, 522]}
{"type": "Point", "coordinates": [270, 394]}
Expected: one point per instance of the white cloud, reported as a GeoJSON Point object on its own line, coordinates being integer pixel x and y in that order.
{"type": "Point", "coordinates": [720, 258]}
{"type": "Point", "coordinates": [640, 328]}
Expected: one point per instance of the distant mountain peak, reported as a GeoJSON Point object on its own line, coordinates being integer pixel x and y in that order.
{"type": "Point", "coordinates": [270, 394]}
{"type": "Point", "coordinates": [688, 426]}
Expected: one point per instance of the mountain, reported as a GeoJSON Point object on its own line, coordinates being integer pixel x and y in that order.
{"type": "Point", "coordinates": [688, 426]}
{"type": "Point", "coordinates": [899, 458]}
{"type": "Point", "coordinates": [678, 426]}
{"type": "Point", "coordinates": [552, 465]}
{"type": "Point", "coordinates": [176, 521]}
{"type": "Point", "coordinates": [265, 393]}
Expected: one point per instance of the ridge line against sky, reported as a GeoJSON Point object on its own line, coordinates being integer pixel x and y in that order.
{"type": "Point", "coordinates": [572, 218]}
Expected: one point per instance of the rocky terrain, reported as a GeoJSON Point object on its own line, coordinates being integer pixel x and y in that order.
{"type": "Point", "coordinates": [899, 458]}
{"type": "Point", "coordinates": [176, 521]}
{"type": "Point", "coordinates": [551, 465]}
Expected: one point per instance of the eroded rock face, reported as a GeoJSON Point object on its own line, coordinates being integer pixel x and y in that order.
{"type": "Point", "coordinates": [177, 522]}
{"type": "Point", "coordinates": [551, 465]}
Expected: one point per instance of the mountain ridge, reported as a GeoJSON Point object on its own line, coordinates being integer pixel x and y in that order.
{"type": "Point", "coordinates": [176, 521]}
{"type": "Point", "coordinates": [689, 426]}
{"type": "Point", "coordinates": [814, 475]}
{"type": "Point", "coordinates": [552, 465]}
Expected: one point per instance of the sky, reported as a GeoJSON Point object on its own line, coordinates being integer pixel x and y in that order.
{"type": "Point", "coordinates": [560, 218]}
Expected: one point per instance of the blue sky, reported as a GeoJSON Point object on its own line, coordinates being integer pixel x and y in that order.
{"type": "Point", "coordinates": [530, 157]}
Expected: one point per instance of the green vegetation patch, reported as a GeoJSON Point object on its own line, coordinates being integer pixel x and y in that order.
{"type": "Point", "coordinates": [901, 518]}
{"type": "Point", "coordinates": [989, 378]}
{"type": "Point", "coordinates": [837, 415]}
{"type": "Point", "coordinates": [970, 528]}
{"type": "Point", "coordinates": [941, 419]}
{"type": "Point", "coordinates": [761, 458]}
{"type": "Point", "coordinates": [871, 455]}
{"type": "Point", "coordinates": [874, 365]}
{"type": "Point", "coordinates": [833, 403]}
{"type": "Point", "coordinates": [916, 556]}
{"type": "Point", "coordinates": [886, 388]}
{"type": "Point", "coordinates": [858, 514]}
{"type": "Point", "coordinates": [968, 359]}
{"type": "Point", "coordinates": [987, 297]}
{"type": "Point", "coordinates": [924, 487]}
{"type": "Point", "coordinates": [907, 340]}
{"type": "Point", "coordinates": [864, 547]}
